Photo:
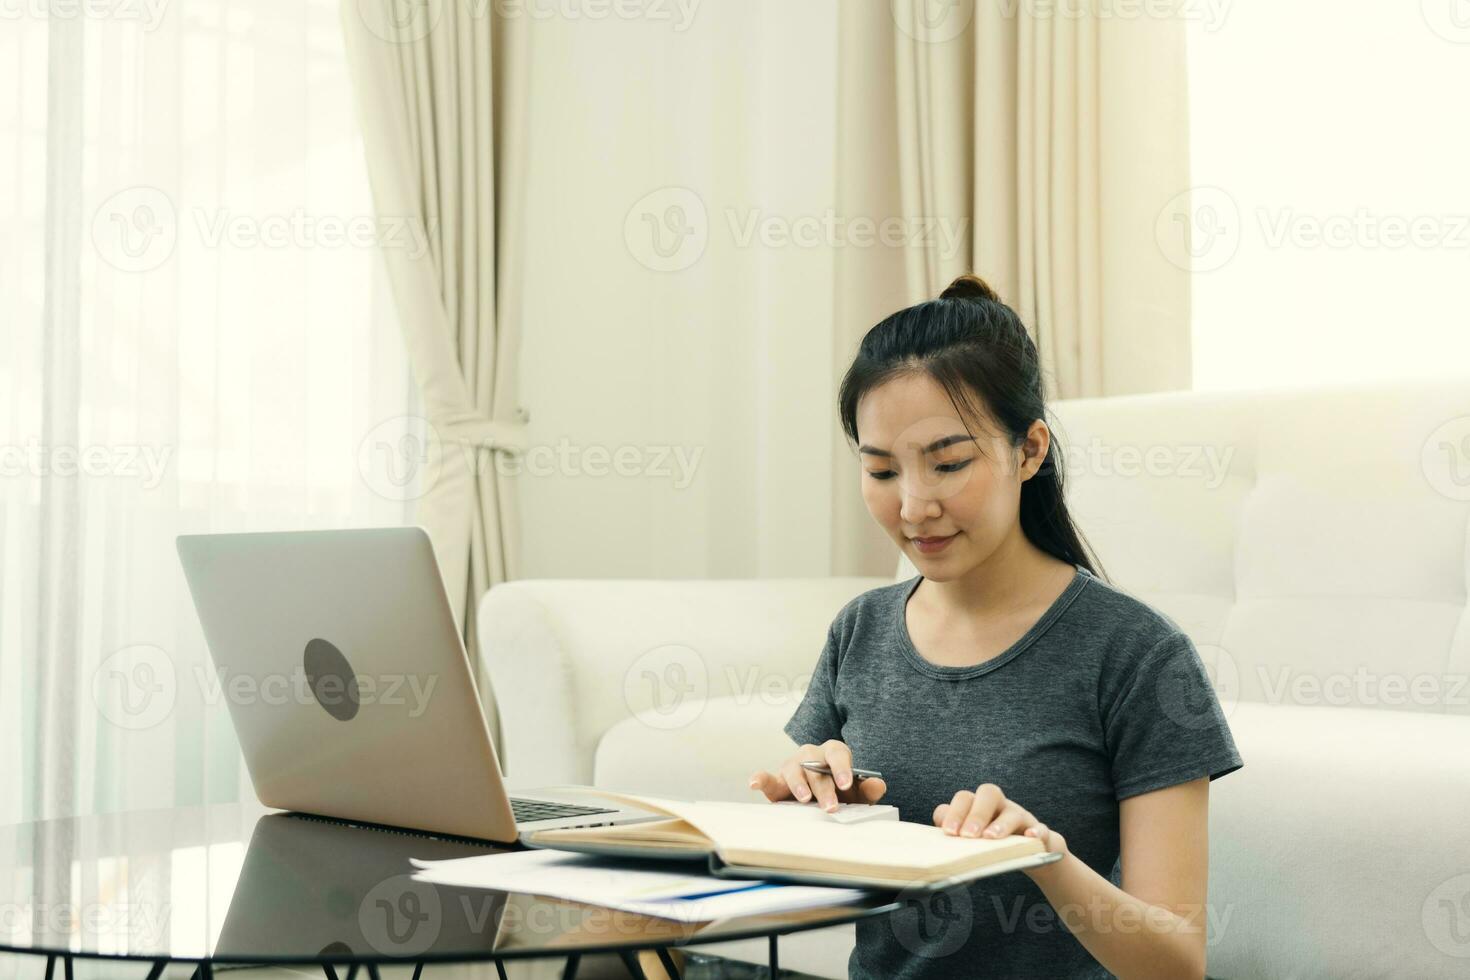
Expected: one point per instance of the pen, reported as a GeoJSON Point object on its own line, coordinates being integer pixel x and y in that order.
{"type": "Point", "coordinates": [857, 774]}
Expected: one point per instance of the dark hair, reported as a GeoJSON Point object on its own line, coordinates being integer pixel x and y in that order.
{"type": "Point", "coordinates": [973, 344]}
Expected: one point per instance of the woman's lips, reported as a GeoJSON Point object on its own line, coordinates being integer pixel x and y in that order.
{"type": "Point", "coordinates": [930, 546]}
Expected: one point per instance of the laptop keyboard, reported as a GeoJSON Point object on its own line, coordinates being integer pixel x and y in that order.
{"type": "Point", "coordinates": [526, 811]}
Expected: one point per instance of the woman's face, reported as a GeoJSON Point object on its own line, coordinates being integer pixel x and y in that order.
{"type": "Point", "coordinates": [925, 476]}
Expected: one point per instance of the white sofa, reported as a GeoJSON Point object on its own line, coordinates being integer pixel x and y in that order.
{"type": "Point", "coordinates": [1314, 543]}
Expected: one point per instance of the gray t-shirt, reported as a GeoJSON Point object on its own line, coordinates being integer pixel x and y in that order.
{"type": "Point", "coordinates": [1102, 699]}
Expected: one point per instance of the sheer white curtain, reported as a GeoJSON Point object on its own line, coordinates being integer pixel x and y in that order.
{"type": "Point", "coordinates": [195, 335]}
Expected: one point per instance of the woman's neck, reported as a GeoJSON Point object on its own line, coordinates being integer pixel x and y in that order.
{"type": "Point", "coordinates": [1010, 578]}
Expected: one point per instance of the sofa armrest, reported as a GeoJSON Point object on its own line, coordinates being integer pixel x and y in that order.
{"type": "Point", "coordinates": [566, 659]}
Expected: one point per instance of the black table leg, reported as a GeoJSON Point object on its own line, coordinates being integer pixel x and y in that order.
{"type": "Point", "coordinates": [499, 971]}
{"type": "Point", "coordinates": [204, 971]}
{"type": "Point", "coordinates": [50, 965]}
{"type": "Point", "coordinates": [372, 969]}
{"type": "Point", "coordinates": [66, 967]}
{"type": "Point", "coordinates": [157, 971]}
{"type": "Point", "coordinates": [775, 961]}
{"type": "Point", "coordinates": [330, 973]}
{"type": "Point", "coordinates": [668, 961]}
{"type": "Point", "coordinates": [569, 972]}
{"type": "Point", "coordinates": [630, 960]}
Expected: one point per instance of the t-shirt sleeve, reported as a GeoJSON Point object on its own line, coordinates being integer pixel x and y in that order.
{"type": "Point", "coordinates": [1164, 724]}
{"type": "Point", "coordinates": [816, 718]}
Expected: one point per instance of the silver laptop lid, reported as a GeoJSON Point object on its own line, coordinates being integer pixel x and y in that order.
{"type": "Point", "coordinates": [346, 677]}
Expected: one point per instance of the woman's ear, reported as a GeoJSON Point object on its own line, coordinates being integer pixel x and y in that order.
{"type": "Point", "coordinates": [1034, 448]}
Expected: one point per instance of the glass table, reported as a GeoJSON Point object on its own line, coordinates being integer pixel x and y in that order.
{"type": "Point", "coordinates": [240, 884]}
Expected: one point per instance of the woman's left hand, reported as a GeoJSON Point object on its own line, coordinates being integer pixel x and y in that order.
{"type": "Point", "coordinates": [987, 813]}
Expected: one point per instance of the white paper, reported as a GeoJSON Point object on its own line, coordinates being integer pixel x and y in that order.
{"type": "Point", "coordinates": [644, 890]}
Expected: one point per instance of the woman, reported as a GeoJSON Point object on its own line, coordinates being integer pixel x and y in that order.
{"type": "Point", "coordinates": [1008, 688]}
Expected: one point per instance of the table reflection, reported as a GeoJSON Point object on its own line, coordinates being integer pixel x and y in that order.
{"type": "Point", "coordinates": [237, 883]}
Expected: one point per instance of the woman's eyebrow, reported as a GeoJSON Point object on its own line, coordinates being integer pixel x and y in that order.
{"type": "Point", "coordinates": [936, 444]}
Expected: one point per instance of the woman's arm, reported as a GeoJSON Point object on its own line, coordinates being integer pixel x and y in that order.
{"type": "Point", "coordinates": [1154, 926]}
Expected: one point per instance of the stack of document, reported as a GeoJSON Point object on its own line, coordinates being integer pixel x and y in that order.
{"type": "Point", "coordinates": [647, 889]}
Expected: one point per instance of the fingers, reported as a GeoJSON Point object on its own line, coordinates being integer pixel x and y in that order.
{"type": "Point", "coordinates": [988, 805]}
{"type": "Point", "coordinates": [967, 812]}
{"type": "Point", "coordinates": [805, 786]}
{"type": "Point", "coordinates": [1012, 819]}
{"type": "Point", "coordinates": [796, 778]}
{"type": "Point", "coordinates": [772, 786]}
{"type": "Point", "coordinates": [839, 759]}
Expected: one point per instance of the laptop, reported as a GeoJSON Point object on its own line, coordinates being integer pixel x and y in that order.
{"type": "Point", "coordinates": [350, 690]}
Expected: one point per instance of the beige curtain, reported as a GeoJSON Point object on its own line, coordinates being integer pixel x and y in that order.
{"type": "Point", "coordinates": [1061, 134]}
{"type": "Point", "coordinates": [429, 81]}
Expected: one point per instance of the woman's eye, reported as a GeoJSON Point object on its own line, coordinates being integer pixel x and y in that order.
{"type": "Point", "coordinates": [942, 467]}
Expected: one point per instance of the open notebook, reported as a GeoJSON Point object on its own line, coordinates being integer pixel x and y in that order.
{"type": "Point", "coordinates": [800, 844]}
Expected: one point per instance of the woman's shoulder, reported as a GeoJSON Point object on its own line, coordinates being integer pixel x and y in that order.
{"type": "Point", "coordinates": [876, 605]}
{"type": "Point", "coordinates": [1129, 625]}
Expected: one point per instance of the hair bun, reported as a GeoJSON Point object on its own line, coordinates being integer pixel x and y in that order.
{"type": "Point", "coordinates": [970, 286]}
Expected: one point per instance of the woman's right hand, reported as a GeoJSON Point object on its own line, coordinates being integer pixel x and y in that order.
{"type": "Point", "coordinates": [792, 781]}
